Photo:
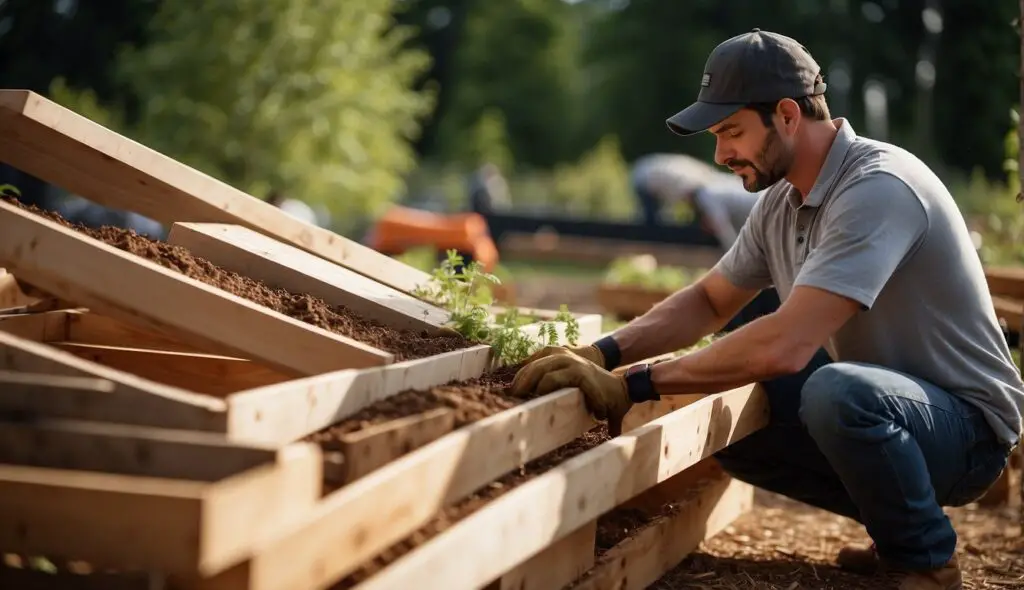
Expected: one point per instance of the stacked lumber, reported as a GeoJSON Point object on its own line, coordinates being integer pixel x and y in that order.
{"type": "Point", "coordinates": [259, 404]}
{"type": "Point", "coordinates": [1007, 287]}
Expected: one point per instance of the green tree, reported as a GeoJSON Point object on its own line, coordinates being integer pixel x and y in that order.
{"type": "Point", "coordinates": [487, 142]}
{"type": "Point", "coordinates": [977, 83]}
{"type": "Point", "coordinates": [309, 97]}
{"type": "Point", "coordinates": [517, 57]}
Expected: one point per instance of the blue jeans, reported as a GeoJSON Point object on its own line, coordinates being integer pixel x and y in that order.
{"type": "Point", "coordinates": [879, 446]}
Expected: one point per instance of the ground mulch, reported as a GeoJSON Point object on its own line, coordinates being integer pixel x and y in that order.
{"type": "Point", "coordinates": [786, 545]}
{"type": "Point", "coordinates": [403, 344]}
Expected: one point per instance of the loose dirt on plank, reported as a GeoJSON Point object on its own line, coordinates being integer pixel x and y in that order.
{"type": "Point", "coordinates": [404, 344]}
{"type": "Point", "coordinates": [471, 400]}
{"type": "Point", "coordinates": [621, 524]}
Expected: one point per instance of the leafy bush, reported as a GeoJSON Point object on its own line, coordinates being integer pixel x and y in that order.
{"type": "Point", "coordinates": [991, 209]}
{"type": "Point", "coordinates": [315, 99]}
{"type": "Point", "coordinates": [596, 186]}
{"type": "Point", "coordinates": [643, 271]}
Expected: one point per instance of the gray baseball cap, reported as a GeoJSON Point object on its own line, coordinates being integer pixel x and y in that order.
{"type": "Point", "coordinates": [758, 66]}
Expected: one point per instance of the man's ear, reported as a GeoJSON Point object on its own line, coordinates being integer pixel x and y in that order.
{"type": "Point", "coordinates": [788, 115]}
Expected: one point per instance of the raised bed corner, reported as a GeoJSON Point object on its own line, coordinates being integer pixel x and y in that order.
{"type": "Point", "coordinates": [232, 408]}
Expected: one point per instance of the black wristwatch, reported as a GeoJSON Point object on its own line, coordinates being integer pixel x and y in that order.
{"type": "Point", "coordinates": [639, 385]}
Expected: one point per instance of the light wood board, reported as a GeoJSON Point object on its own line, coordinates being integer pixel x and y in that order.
{"type": "Point", "coordinates": [64, 148]}
{"type": "Point", "coordinates": [278, 264]}
{"type": "Point", "coordinates": [544, 510]}
{"type": "Point", "coordinates": [117, 284]}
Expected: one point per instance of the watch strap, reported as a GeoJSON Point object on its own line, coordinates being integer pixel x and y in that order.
{"type": "Point", "coordinates": [610, 351]}
{"type": "Point", "coordinates": [639, 384]}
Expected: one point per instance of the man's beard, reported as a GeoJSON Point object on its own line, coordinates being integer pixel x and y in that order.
{"type": "Point", "coordinates": [774, 160]}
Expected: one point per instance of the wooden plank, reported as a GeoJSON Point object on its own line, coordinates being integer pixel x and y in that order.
{"type": "Point", "coordinates": [126, 450]}
{"type": "Point", "coordinates": [289, 411]}
{"type": "Point", "coordinates": [130, 288]}
{"type": "Point", "coordinates": [539, 571]}
{"type": "Point", "coordinates": [524, 521]}
{"type": "Point", "coordinates": [85, 327]}
{"type": "Point", "coordinates": [556, 567]}
{"type": "Point", "coordinates": [1010, 311]}
{"type": "Point", "coordinates": [371, 448]}
{"type": "Point", "coordinates": [133, 400]}
{"type": "Point", "coordinates": [344, 530]}
{"type": "Point", "coordinates": [568, 557]}
{"type": "Point", "coordinates": [641, 414]}
{"type": "Point", "coordinates": [48, 326]}
{"type": "Point", "coordinates": [93, 328]}
{"type": "Point", "coordinates": [628, 301]}
{"type": "Point", "coordinates": [638, 562]}
{"type": "Point", "coordinates": [1005, 281]}
{"type": "Point", "coordinates": [59, 146]}
{"type": "Point", "coordinates": [200, 373]}
{"type": "Point", "coordinates": [11, 294]}
{"type": "Point", "coordinates": [601, 251]}
{"type": "Point", "coordinates": [173, 526]}
{"type": "Point", "coordinates": [250, 253]}
{"type": "Point", "coordinates": [347, 527]}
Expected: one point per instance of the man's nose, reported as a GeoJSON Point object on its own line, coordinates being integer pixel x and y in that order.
{"type": "Point", "coordinates": [722, 153]}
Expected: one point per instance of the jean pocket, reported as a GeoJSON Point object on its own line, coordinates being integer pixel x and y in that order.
{"type": "Point", "coordinates": [979, 478]}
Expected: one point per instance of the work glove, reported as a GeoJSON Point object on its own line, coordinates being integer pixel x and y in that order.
{"type": "Point", "coordinates": [605, 394]}
{"type": "Point", "coordinates": [589, 352]}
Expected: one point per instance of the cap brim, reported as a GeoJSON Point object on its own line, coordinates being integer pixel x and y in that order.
{"type": "Point", "coordinates": [699, 116]}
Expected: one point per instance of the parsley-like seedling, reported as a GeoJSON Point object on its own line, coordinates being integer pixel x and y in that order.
{"type": "Point", "coordinates": [464, 291]}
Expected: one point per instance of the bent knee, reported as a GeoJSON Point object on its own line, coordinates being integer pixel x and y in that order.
{"type": "Point", "coordinates": [838, 392]}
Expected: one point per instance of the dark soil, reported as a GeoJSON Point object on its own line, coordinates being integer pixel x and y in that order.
{"type": "Point", "coordinates": [620, 524]}
{"type": "Point", "coordinates": [471, 400]}
{"type": "Point", "coordinates": [404, 344]}
{"type": "Point", "coordinates": [453, 514]}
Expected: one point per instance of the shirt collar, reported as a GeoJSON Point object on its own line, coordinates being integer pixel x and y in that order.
{"type": "Point", "coordinates": [836, 154]}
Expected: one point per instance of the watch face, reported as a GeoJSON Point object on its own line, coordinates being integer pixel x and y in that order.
{"type": "Point", "coordinates": [636, 369]}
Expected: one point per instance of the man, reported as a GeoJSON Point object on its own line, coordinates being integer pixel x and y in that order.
{"type": "Point", "coordinates": [719, 199]}
{"type": "Point", "coordinates": [915, 405]}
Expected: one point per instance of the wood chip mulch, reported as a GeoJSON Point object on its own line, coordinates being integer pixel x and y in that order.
{"type": "Point", "coordinates": [786, 545]}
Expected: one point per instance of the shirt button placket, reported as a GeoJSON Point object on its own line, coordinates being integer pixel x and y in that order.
{"type": "Point", "coordinates": [801, 234]}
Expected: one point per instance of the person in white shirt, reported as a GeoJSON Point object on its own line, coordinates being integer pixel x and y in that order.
{"type": "Point", "coordinates": [719, 198]}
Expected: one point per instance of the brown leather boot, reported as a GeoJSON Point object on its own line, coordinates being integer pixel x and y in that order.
{"type": "Point", "coordinates": [947, 577]}
{"type": "Point", "coordinates": [861, 560]}
{"type": "Point", "coordinates": [865, 560]}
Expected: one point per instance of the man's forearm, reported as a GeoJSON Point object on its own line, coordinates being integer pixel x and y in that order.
{"type": "Point", "coordinates": [758, 351]}
{"type": "Point", "coordinates": [678, 321]}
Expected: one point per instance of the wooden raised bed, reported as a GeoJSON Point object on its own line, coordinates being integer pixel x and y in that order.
{"type": "Point", "coordinates": [626, 302]}
{"type": "Point", "coordinates": [1007, 287]}
{"type": "Point", "coordinates": [153, 428]}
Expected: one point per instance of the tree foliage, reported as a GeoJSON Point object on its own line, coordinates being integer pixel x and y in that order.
{"type": "Point", "coordinates": [308, 97]}
{"type": "Point", "coordinates": [516, 57]}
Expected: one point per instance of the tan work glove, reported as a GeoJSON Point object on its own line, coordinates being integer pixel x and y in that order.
{"type": "Point", "coordinates": [605, 394]}
{"type": "Point", "coordinates": [589, 352]}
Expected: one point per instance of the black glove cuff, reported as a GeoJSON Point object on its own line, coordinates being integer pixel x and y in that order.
{"type": "Point", "coordinates": [610, 350]}
{"type": "Point", "coordinates": [639, 385]}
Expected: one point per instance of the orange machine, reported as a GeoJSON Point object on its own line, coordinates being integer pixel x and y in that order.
{"type": "Point", "coordinates": [404, 228]}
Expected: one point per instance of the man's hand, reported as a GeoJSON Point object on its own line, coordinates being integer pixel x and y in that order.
{"type": "Point", "coordinates": [605, 394]}
{"type": "Point", "coordinates": [589, 352]}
